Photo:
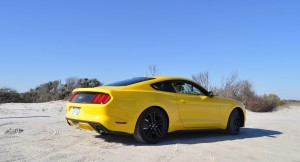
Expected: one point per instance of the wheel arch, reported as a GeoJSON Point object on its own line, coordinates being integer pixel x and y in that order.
{"type": "Point", "coordinates": [242, 115]}
{"type": "Point", "coordinates": [157, 107]}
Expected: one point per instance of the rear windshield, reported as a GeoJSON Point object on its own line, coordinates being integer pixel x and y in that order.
{"type": "Point", "coordinates": [130, 81]}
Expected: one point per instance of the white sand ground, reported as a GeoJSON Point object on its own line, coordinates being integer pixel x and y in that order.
{"type": "Point", "coordinates": [39, 132]}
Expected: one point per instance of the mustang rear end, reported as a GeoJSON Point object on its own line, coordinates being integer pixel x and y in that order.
{"type": "Point", "coordinates": [96, 109]}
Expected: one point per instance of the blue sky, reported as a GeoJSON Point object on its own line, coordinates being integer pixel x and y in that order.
{"type": "Point", "coordinates": [112, 40]}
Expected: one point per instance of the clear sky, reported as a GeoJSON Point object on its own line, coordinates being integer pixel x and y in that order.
{"type": "Point", "coordinates": [111, 40]}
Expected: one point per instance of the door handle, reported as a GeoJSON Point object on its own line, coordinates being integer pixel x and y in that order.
{"type": "Point", "coordinates": [184, 101]}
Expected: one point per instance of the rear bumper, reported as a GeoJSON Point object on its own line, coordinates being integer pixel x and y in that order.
{"type": "Point", "coordinates": [109, 117]}
{"type": "Point", "coordinates": [92, 126]}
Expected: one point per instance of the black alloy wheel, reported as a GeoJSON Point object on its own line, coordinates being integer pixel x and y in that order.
{"type": "Point", "coordinates": [152, 126]}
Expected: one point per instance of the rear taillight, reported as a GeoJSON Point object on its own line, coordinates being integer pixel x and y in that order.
{"type": "Point", "coordinates": [90, 97]}
{"type": "Point", "coordinates": [101, 98]}
{"type": "Point", "coordinates": [73, 96]}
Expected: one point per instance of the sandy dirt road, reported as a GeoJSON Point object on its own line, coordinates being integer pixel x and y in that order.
{"type": "Point", "coordinates": [39, 132]}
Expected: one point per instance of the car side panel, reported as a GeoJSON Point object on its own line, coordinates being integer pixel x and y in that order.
{"type": "Point", "coordinates": [199, 111]}
{"type": "Point", "coordinates": [152, 98]}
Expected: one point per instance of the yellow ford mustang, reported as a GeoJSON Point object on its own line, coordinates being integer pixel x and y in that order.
{"type": "Point", "coordinates": [150, 107]}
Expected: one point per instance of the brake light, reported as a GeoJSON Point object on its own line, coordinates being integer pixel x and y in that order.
{"type": "Point", "coordinates": [73, 96]}
{"type": "Point", "coordinates": [101, 98]}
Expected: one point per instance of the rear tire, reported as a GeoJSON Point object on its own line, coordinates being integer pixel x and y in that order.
{"type": "Point", "coordinates": [234, 123]}
{"type": "Point", "coordinates": [151, 126]}
{"type": "Point", "coordinates": [104, 134]}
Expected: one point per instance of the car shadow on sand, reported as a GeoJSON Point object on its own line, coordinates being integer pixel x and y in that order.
{"type": "Point", "coordinates": [195, 137]}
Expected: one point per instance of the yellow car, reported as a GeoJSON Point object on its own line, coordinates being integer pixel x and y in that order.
{"type": "Point", "coordinates": [151, 107]}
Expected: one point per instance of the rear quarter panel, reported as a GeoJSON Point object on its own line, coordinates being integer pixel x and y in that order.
{"type": "Point", "coordinates": [139, 100]}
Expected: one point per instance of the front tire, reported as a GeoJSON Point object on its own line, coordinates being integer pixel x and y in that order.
{"type": "Point", "coordinates": [151, 126]}
{"type": "Point", "coordinates": [234, 123]}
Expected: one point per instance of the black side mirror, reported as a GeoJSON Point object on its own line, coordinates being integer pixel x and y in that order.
{"type": "Point", "coordinates": [211, 94]}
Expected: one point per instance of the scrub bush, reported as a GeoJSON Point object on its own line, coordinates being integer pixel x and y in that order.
{"type": "Point", "coordinates": [242, 90]}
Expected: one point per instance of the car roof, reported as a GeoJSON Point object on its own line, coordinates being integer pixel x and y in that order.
{"type": "Point", "coordinates": [169, 78]}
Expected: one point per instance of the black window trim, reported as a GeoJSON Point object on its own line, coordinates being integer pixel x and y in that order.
{"type": "Point", "coordinates": [202, 90]}
{"type": "Point", "coordinates": [167, 81]}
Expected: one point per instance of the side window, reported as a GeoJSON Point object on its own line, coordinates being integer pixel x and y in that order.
{"type": "Point", "coordinates": [163, 86]}
{"type": "Point", "coordinates": [186, 88]}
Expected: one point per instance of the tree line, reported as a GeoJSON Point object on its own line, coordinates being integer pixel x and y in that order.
{"type": "Point", "coordinates": [50, 91]}
{"type": "Point", "coordinates": [231, 87]}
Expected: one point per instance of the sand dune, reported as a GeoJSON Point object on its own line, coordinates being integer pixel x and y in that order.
{"type": "Point", "coordinates": [39, 132]}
